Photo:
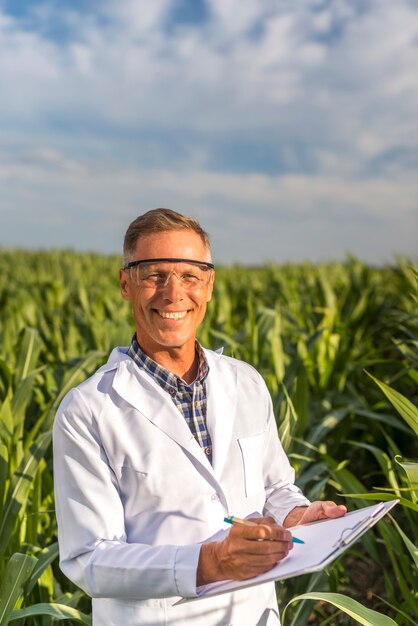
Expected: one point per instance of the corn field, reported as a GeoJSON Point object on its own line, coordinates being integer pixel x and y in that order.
{"type": "Point", "coordinates": [338, 347]}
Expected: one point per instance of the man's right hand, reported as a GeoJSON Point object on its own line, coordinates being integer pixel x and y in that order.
{"type": "Point", "coordinates": [246, 551]}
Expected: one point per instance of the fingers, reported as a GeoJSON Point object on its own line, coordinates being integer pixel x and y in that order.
{"type": "Point", "coordinates": [263, 531]}
{"type": "Point", "coordinates": [319, 510]}
{"type": "Point", "coordinates": [328, 509]}
{"type": "Point", "coordinates": [270, 521]}
{"type": "Point", "coordinates": [333, 510]}
{"type": "Point", "coordinates": [246, 551]}
{"type": "Point", "coordinates": [251, 550]}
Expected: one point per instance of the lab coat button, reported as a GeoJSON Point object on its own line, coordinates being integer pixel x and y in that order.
{"type": "Point", "coordinates": [215, 497]}
{"type": "Point", "coordinates": [208, 451]}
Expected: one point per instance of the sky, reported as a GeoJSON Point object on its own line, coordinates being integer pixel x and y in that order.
{"type": "Point", "coordinates": [288, 128]}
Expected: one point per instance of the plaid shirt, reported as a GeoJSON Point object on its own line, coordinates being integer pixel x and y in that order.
{"type": "Point", "coordinates": [191, 400]}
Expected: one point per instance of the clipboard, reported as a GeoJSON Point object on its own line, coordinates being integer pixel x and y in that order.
{"type": "Point", "coordinates": [325, 540]}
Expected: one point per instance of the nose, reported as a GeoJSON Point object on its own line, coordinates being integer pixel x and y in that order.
{"type": "Point", "coordinates": [173, 289]}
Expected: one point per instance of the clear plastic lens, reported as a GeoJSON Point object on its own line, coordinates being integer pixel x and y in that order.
{"type": "Point", "coordinates": [157, 276]}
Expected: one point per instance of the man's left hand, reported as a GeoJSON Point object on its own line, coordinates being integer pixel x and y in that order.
{"type": "Point", "coordinates": [316, 511]}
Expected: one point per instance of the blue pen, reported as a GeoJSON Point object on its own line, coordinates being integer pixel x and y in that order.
{"type": "Point", "coordinates": [244, 522]}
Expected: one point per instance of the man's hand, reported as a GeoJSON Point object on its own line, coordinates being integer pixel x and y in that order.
{"type": "Point", "coordinates": [317, 510]}
{"type": "Point", "coordinates": [245, 552]}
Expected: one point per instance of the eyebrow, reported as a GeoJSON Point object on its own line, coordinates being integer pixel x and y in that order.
{"type": "Point", "coordinates": [209, 266]}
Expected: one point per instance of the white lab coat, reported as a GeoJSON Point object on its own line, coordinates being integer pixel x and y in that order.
{"type": "Point", "coordinates": [136, 495]}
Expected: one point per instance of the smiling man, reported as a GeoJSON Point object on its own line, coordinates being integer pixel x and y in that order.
{"type": "Point", "coordinates": [168, 297]}
{"type": "Point", "coordinates": [165, 440]}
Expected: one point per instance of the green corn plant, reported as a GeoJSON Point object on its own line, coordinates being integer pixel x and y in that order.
{"type": "Point", "coordinates": [27, 520]}
{"type": "Point", "coordinates": [311, 330]}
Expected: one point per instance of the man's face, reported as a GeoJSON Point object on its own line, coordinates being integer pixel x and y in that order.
{"type": "Point", "coordinates": [167, 316]}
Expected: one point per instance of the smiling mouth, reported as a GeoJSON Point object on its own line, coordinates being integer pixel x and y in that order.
{"type": "Point", "coordinates": [172, 315]}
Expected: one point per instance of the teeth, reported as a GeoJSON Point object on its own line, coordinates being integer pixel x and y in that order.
{"type": "Point", "coordinates": [172, 316]}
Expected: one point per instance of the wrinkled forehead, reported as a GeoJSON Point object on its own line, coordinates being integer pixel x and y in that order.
{"type": "Point", "coordinates": [185, 244]}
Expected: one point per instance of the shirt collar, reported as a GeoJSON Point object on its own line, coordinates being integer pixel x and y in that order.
{"type": "Point", "coordinates": [163, 376]}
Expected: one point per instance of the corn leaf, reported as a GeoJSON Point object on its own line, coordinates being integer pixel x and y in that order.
{"type": "Point", "coordinates": [20, 486]}
{"type": "Point", "coordinates": [45, 558]}
{"type": "Point", "coordinates": [18, 569]}
{"type": "Point", "coordinates": [384, 496]}
{"type": "Point", "coordinates": [351, 607]}
{"type": "Point", "coordinates": [404, 574]}
{"type": "Point", "coordinates": [28, 354]}
{"type": "Point", "coordinates": [6, 422]}
{"type": "Point", "coordinates": [384, 461]}
{"type": "Point", "coordinates": [4, 460]}
{"type": "Point", "coordinates": [21, 399]}
{"type": "Point", "coordinates": [411, 471]}
{"type": "Point", "coordinates": [413, 549]}
{"type": "Point", "coordinates": [288, 423]}
{"type": "Point", "coordinates": [56, 611]}
{"type": "Point", "coordinates": [404, 406]}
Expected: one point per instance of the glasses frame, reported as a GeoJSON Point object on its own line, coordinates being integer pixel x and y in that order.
{"type": "Point", "coordinates": [205, 264]}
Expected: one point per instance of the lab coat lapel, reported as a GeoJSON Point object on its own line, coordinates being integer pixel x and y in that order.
{"type": "Point", "coordinates": [148, 398]}
{"type": "Point", "coordinates": [222, 400]}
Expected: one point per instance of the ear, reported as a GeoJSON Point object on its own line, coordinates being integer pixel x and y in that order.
{"type": "Point", "coordinates": [124, 285]}
{"type": "Point", "coordinates": [210, 287]}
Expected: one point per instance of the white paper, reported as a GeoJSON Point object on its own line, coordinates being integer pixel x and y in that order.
{"type": "Point", "coordinates": [324, 541]}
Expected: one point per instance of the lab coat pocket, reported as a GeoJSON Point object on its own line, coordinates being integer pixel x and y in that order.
{"type": "Point", "coordinates": [252, 450]}
{"type": "Point", "coordinates": [132, 486]}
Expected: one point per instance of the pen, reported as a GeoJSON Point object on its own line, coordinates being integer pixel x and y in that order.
{"type": "Point", "coordinates": [244, 522]}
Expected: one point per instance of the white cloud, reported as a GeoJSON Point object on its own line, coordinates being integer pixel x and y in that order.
{"type": "Point", "coordinates": [322, 95]}
{"type": "Point", "coordinates": [251, 217]}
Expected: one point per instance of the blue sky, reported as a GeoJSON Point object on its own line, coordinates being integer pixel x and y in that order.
{"type": "Point", "coordinates": [289, 128]}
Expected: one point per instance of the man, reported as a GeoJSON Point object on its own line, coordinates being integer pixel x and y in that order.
{"type": "Point", "coordinates": [160, 444]}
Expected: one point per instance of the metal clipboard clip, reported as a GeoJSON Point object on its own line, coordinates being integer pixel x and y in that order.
{"type": "Point", "coordinates": [349, 535]}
